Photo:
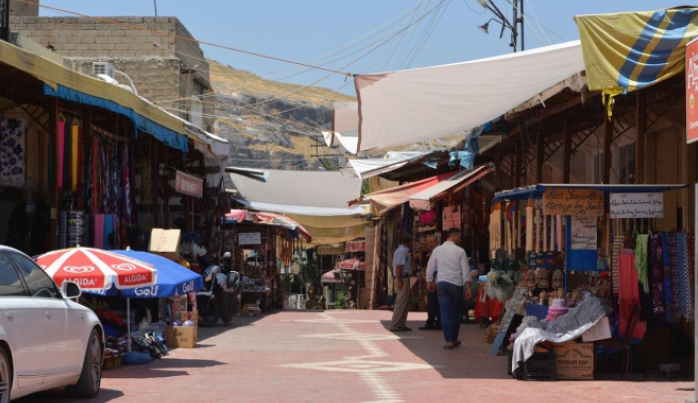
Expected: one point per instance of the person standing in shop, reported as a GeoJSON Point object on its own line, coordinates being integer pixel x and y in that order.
{"type": "Point", "coordinates": [454, 272]}
{"type": "Point", "coordinates": [402, 271]}
{"type": "Point", "coordinates": [433, 308]}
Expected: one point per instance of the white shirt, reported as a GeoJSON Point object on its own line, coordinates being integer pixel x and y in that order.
{"type": "Point", "coordinates": [402, 258]}
{"type": "Point", "coordinates": [453, 264]}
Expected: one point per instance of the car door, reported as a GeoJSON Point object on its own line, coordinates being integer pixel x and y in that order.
{"type": "Point", "coordinates": [64, 353]}
{"type": "Point", "coordinates": [25, 324]}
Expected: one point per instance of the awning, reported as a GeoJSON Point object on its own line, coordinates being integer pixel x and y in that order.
{"type": "Point", "coordinates": [536, 191]}
{"type": "Point", "coordinates": [627, 51]}
{"type": "Point", "coordinates": [345, 126]}
{"type": "Point", "coordinates": [328, 230]}
{"type": "Point", "coordinates": [384, 200]}
{"type": "Point", "coordinates": [239, 216]}
{"type": "Point", "coordinates": [367, 168]}
{"type": "Point", "coordinates": [424, 199]}
{"type": "Point", "coordinates": [297, 192]}
{"type": "Point", "coordinates": [409, 106]}
{"type": "Point", "coordinates": [70, 85]}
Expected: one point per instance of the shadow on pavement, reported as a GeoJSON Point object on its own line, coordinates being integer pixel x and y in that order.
{"type": "Point", "coordinates": [58, 396]}
{"type": "Point", "coordinates": [166, 367]}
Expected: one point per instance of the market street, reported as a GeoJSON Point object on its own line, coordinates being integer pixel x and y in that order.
{"type": "Point", "coordinates": [347, 356]}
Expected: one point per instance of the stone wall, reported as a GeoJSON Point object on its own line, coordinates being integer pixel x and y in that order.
{"type": "Point", "coordinates": [23, 9]}
{"type": "Point", "coordinates": [162, 67]}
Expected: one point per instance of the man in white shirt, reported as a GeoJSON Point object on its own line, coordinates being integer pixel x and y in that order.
{"type": "Point", "coordinates": [454, 272]}
{"type": "Point", "coordinates": [402, 270]}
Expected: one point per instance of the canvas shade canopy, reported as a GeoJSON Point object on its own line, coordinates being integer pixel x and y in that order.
{"type": "Point", "coordinates": [313, 193]}
{"type": "Point", "coordinates": [172, 278]}
{"type": "Point", "coordinates": [410, 106]}
{"type": "Point", "coordinates": [424, 199]}
{"type": "Point", "coordinates": [332, 276]}
{"type": "Point", "coordinates": [96, 269]}
{"type": "Point", "coordinates": [384, 200]}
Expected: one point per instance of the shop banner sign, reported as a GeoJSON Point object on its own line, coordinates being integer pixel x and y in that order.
{"type": "Point", "coordinates": [637, 205]}
{"type": "Point", "coordinates": [330, 250]}
{"type": "Point", "coordinates": [250, 238]}
{"type": "Point", "coordinates": [189, 185]}
{"type": "Point", "coordinates": [691, 91]}
{"type": "Point", "coordinates": [584, 233]}
{"type": "Point", "coordinates": [580, 202]}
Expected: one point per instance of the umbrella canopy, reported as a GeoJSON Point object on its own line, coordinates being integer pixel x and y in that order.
{"type": "Point", "coordinates": [332, 277]}
{"type": "Point", "coordinates": [172, 279]}
{"type": "Point", "coordinates": [96, 269]}
{"type": "Point", "coordinates": [351, 264]}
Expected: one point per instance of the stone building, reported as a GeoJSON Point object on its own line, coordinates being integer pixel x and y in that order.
{"type": "Point", "coordinates": [166, 68]}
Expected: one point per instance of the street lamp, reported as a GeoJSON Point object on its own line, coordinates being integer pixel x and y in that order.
{"type": "Point", "coordinates": [517, 27]}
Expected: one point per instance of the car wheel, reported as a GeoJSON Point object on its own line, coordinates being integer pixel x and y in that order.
{"type": "Point", "coordinates": [91, 376]}
{"type": "Point", "coordinates": [5, 377]}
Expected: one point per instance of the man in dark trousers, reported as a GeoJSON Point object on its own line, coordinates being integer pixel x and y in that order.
{"type": "Point", "coordinates": [433, 308]}
{"type": "Point", "coordinates": [402, 271]}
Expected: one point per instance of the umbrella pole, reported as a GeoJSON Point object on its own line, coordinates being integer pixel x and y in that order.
{"type": "Point", "coordinates": [128, 323]}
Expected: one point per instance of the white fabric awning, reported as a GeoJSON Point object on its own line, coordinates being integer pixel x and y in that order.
{"type": "Point", "coordinates": [345, 126]}
{"type": "Point", "coordinates": [409, 106]}
{"type": "Point", "coordinates": [367, 168]}
{"type": "Point", "coordinates": [319, 193]}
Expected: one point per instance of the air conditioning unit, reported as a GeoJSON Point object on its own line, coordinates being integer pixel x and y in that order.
{"type": "Point", "coordinates": [103, 68]}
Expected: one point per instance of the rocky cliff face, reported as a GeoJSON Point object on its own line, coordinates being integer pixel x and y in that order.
{"type": "Point", "coordinates": [270, 124]}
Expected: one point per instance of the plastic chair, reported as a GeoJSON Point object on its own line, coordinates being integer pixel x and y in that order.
{"type": "Point", "coordinates": [624, 342]}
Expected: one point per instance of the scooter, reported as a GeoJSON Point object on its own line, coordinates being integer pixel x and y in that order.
{"type": "Point", "coordinates": [219, 297]}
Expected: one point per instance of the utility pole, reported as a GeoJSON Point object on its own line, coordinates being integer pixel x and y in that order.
{"type": "Point", "coordinates": [516, 28]}
{"type": "Point", "coordinates": [155, 3]}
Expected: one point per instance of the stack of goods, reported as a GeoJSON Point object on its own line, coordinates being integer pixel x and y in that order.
{"type": "Point", "coordinates": [73, 229]}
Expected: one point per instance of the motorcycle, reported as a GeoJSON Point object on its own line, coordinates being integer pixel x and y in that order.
{"type": "Point", "coordinates": [219, 297]}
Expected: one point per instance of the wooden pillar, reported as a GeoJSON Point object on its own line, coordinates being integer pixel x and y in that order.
{"type": "Point", "coordinates": [566, 152]}
{"type": "Point", "coordinates": [640, 133]}
{"type": "Point", "coordinates": [166, 185]}
{"type": "Point", "coordinates": [516, 225]}
{"type": "Point", "coordinates": [607, 142]}
{"type": "Point", "coordinates": [156, 180]}
{"type": "Point", "coordinates": [53, 190]}
{"type": "Point", "coordinates": [498, 172]}
{"type": "Point", "coordinates": [540, 156]}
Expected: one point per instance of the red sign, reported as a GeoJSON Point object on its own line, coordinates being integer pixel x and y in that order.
{"type": "Point", "coordinates": [692, 91]}
{"type": "Point", "coordinates": [189, 185]}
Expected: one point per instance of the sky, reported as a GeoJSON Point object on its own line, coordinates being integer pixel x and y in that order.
{"type": "Point", "coordinates": [360, 36]}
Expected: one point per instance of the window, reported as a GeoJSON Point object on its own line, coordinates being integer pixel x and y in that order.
{"type": "Point", "coordinates": [39, 283]}
{"type": "Point", "coordinates": [10, 284]}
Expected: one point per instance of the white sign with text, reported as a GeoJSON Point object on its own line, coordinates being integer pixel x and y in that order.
{"type": "Point", "coordinates": [584, 233]}
{"type": "Point", "coordinates": [637, 205]}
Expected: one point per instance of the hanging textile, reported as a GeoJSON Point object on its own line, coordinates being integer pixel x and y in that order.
{"type": "Point", "coordinates": [108, 232]}
{"type": "Point", "coordinates": [80, 168]}
{"type": "Point", "coordinates": [690, 281]}
{"type": "Point", "coordinates": [684, 274]}
{"type": "Point", "coordinates": [674, 275]}
{"type": "Point", "coordinates": [667, 275]}
{"type": "Point", "coordinates": [99, 231]}
{"type": "Point", "coordinates": [657, 275]}
{"type": "Point", "coordinates": [74, 156]}
{"type": "Point", "coordinates": [12, 152]}
{"type": "Point", "coordinates": [61, 150]}
{"type": "Point", "coordinates": [628, 293]}
{"type": "Point", "coordinates": [94, 174]}
{"type": "Point", "coordinates": [126, 183]}
{"type": "Point", "coordinates": [618, 242]}
{"type": "Point", "coordinates": [641, 261]}
{"type": "Point", "coordinates": [67, 151]}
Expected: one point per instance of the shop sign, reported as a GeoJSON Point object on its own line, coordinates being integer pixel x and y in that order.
{"type": "Point", "coordinates": [692, 91]}
{"type": "Point", "coordinates": [250, 238]}
{"type": "Point", "coordinates": [330, 250]}
{"type": "Point", "coordinates": [584, 233]}
{"type": "Point", "coordinates": [189, 185]}
{"type": "Point", "coordinates": [451, 217]}
{"type": "Point", "coordinates": [584, 202]}
{"type": "Point", "coordinates": [637, 205]}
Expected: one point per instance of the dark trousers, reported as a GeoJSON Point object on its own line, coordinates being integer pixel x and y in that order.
{"type": "Point", "coordinates": [433, 310]}
{"type": "Point", "coordinates": [451, 301]}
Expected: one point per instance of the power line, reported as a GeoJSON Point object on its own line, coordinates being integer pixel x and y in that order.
{"type": "Point", "coordinates": [184, 38]}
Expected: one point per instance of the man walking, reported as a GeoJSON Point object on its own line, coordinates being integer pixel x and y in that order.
{"type": "Point", "coordinates": [454, 272]}
{"type": "Point", "coordinates": [433, 309]}
{"type": "Point", "coordinates": [402, 270]}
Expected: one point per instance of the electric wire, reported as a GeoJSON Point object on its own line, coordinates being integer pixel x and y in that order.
{"type": "Point", "coordinates": [427, 33]}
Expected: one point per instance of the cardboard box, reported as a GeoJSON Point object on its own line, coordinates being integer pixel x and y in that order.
{"type": "Point", "coordinates": [574, 361]}
{"type": "Point", "coordinates": [182, 336]}
{"type": "Point", "coordinates": [600, 331]}
{"type": "Point", "coordinates": [251, 310]}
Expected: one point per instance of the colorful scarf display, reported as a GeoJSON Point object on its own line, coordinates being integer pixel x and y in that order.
{"type": "Point", "coordinates": [12, 152]}
{"type": "Point", "coordinates": [628, 292]}
{"type": "Point", "coordinates": [641, 261]}
{"type": "Point", "coordinates": [657, 275]}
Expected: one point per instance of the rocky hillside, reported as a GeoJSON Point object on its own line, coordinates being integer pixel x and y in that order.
{"type": "Point", "coordinates": [270, 124]}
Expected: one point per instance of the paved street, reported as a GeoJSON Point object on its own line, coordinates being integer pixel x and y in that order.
{"type": "Point", "coordinates": [347, 356]}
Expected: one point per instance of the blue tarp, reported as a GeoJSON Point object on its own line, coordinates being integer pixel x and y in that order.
{"type": "Point", "coordinates": [173, 279]}
{"type": "Point", "coordinates": [167, 136]}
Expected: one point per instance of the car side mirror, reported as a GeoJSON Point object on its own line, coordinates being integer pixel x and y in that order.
{"type": "Point", "coordinates": [71, 290]}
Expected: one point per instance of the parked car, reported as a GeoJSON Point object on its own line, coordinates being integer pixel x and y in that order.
{"type": "Point", "coordinates": [46, 340]}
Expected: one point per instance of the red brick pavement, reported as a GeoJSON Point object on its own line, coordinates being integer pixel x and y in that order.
{"type": "Point", "coordinates": [348, 356]}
